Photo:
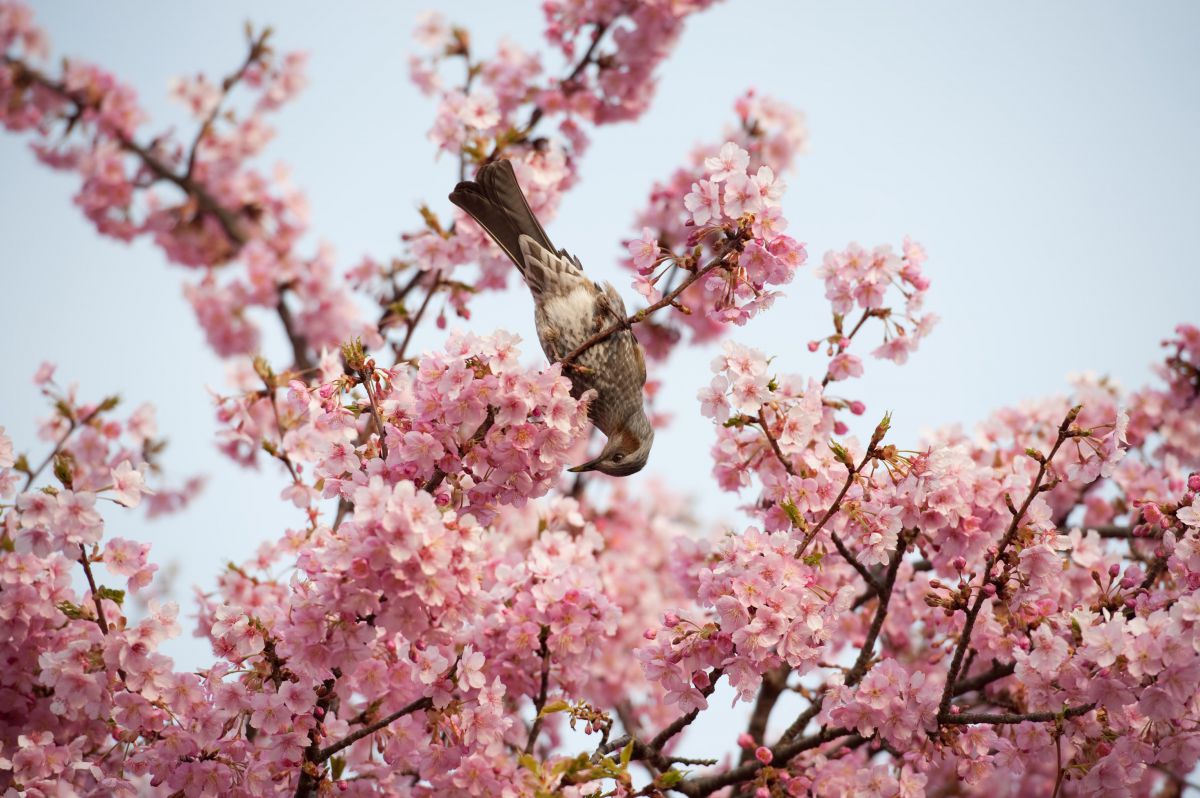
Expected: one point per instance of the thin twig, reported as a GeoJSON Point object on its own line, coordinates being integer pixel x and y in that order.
{"type": "Point", "coordinates": [539, 702]}
{"type": "Point", "coordinates": [351, 739]}
{"type": "Point", "coordinates": [964, 640]}
{"type": "Point", "coordinates": [636, 318]}
{"type": "Point", "coordinates": [91, 580]}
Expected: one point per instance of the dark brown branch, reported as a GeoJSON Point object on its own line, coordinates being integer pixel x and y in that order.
{"type": "Point", "coordinates": [837, 502]}
{"type": "Point", "coordinates": [849, 557]}
{"type": "Point", "coordinates": [91, 580]}
{"type": "Point", "coordinates": [964, 640]}
{"type": "Point", "coordinates": [415, 320]}
{"type": "Point", "coordinates": [706, 785]}
{"type": "Point", "coordinates": [965, 718]}
{"type": "Point", "coordinates": [539, 702]}
{"type": "Point", "coordinates": [366, 378]}
{"type": "Point", "coordinates": [351, 739]}
{"type": "Point", "coordinates": [998, 671]}
{"type": "Point", "coordinates": [310, 768]}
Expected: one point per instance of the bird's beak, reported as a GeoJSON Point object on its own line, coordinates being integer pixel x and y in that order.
{"type": "Point", "coordinates": [590, 465]}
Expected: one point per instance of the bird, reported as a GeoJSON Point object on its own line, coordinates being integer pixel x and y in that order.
{"type": "Point", "coordinates": [569, 309]}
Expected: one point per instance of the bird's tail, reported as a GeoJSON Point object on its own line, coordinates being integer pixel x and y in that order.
{"type": "Point", "coordinates": [494, 199]}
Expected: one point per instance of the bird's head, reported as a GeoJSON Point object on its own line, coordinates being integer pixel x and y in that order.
{"type": "Point", "coordinates": [625, 453]}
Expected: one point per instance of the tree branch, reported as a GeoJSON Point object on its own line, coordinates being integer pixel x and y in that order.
{"type": "Point", "coordinates": [729, 246]}
{"type": "Point", "coordinates": [351, 739]}
{"type": "Point", "coordinates": [539, 702]}
{"type": "Point", "coordinates": [964, 640]}
{"type": "Point", "coordinates": [965, 718]}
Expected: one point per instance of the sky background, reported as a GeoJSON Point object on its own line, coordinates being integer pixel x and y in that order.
{"type": "Point", "coordinates": [1045, 155]}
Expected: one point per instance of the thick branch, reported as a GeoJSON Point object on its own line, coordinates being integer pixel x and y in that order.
{"type": "Point", "coordinates": [964, 718]}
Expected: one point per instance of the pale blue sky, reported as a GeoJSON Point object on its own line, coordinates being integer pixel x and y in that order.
{"type": "Point", "coordinates": [1045, 154]}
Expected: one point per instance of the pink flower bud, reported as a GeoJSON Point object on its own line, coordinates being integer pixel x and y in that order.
{"type": "Point", "coordinates": [857, 408]}
{"type": "Point", "coordinates": [813, 346]}
{"type": "Point", "coordinates": [839, 428]}
{"type": "Point", "coordinates": [1114, 570]}
{"type": "Point", "coordinates": [1128, 583]}
{"type": "Point", "coordinates": [745, 740]}
{"type": "Point", "coordinates": [764, 755]}
{"type": "Point", "coordinates": [650, 634]}
{"type": "Point", "coordinates": [1193, 481]}
{"type": "Point", "coordinates": [959, 563]}
{"type": "Point", "coordinates": [989, 590]}
{"type": "Point", "coordinates": [670, 619]}
{"type": "Point", "coordinates": [700, 680]}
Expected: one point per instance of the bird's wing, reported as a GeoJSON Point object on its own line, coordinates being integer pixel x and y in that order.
{"type": "Point", "coordinates": [617, 312]}
{"type": "Point", "coordinates": [548, 272]}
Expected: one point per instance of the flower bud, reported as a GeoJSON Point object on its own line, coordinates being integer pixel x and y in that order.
{"type": "Point", "coordinates": [745, 740]}
{"type": "Point", "coordinates": [764, 755]}
{"type": "Point", "coordinates": [1114, 570]}
{"type": "Point", "coordinates": [1193, 481]}
{"type": "Point", "coordinates": [650, 634]}
{"type": "Point", "coordinates": [839, 428]}
{"type": "Point", "coordinates": [959, 563]}
{"type": "Point", "coordinates": [989, 590]}
{"type": "Point", "coordinates": [857, 408]}
{"type": "Point", "coordinates": [670, 619]}
{"type": "Point", "coordinates": [813, 346]}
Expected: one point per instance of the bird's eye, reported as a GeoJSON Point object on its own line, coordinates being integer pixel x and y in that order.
{"type": "Point", "coordinates": [618, 457]}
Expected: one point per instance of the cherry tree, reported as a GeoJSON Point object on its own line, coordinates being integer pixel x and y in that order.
{"type": "Point", "coordinates": [1009, 611]}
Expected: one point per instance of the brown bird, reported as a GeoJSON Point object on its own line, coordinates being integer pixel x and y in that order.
{"type": "Point", "coordinates": [568, 310]}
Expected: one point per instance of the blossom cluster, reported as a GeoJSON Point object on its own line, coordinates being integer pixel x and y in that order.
{"type": "Point", "coordinates": [735, 188]}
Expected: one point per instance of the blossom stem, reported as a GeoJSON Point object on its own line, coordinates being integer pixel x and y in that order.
{"type": "Point", "coordinates": [966, 718]}
{"type": "Point", "coordinates": [62, 441]}
{"type": "Point", "coordinates": [91, 580]}
{"type": "Point", "coordinates": [828, 378]}
{"type": "Point", "coordinates": [847, 555]}
{"type": "Point", "coordinates": [415, 320]}
{"type": "Point", "coordinates": [837, 503]}
{"type": "Point", "coordinates": [366, 377]}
